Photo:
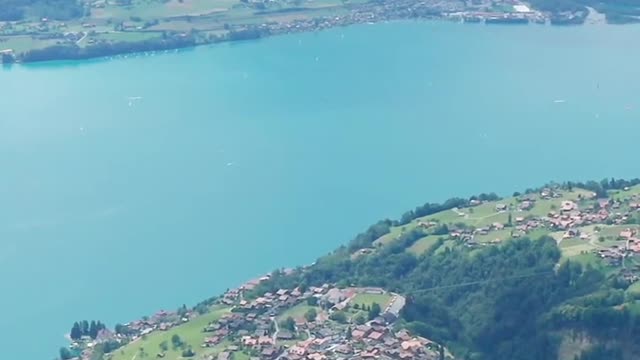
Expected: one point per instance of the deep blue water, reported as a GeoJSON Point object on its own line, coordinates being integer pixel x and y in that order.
{"type": "Point", "coordinates": [241, 158]}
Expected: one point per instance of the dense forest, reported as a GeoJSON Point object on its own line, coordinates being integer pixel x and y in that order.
{"type": "Point", "coordinates": [13, 10]}
{"type": "Point", "coordinates": [514, 301]}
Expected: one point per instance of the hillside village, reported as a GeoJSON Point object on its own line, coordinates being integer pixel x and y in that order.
{"type": "Point", "coordinates": [588, 229]}
{"type": "Point", "coordinates": [285, 325]}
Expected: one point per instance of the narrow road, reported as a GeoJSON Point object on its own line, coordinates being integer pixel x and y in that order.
{"type": "Point", "coordinates": [82, 38]}
{"type": "Point", "coordinates": [275, 334]}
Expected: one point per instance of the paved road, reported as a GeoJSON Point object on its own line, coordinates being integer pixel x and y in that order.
{"type": "Point", "coordinates": [397, 303]}
{"type": "Point", "coordinates": [275, 334]}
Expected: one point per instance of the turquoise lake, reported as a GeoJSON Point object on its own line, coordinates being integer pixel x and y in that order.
{"type": "Point", "coordinates": [241, 158]}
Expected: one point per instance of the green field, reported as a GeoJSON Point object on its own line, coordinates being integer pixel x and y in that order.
{"type": "Point", "coordinates": [297, 312]}
{"type": "Point", "coordinates": [594, 261]}
{"type": "Point", "coordinates": [448, 244]}
{"type": "Point", "coordinates": [622, 195]}
{"type": "Point", "coordinates": [424, 244]}
{"type": "Point", "coordinates": [191, 334]}
{"type": "Point", "coordinates": [634, 288]}
{"type": "Point", "coordinates": [485, 215]}
{"type": "Point", "coordinates": [23, 43]}
{"type": "Point", "coordinates": [150, 9]}
{"type": "Point", "coordinates": [368, 299]}
{"type": "Point", "coordinates": [613, 232]}
{"type": "Point", "coordinates": [500, 235]}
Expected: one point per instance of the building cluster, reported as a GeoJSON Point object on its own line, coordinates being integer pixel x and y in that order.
{"type": "Point", "coordinates": [252, 327]}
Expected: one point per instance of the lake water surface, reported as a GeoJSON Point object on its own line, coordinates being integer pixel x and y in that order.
{"type": "Point", "coordinates": [240, 158]}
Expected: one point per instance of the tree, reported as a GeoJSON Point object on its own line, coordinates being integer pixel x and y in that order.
{"type": "Point", "coordinates": [509, 220]}
{"type": "Point", "coordinates": [65, 353]}
{"type": "Point", "coordinates": [338, 316]}
{"type": "Point", "coordinates": [359, 319]}
{"type": "Point", "coordinates": [164, 346]}
{"type": "Point", "coordinates": [310, 315]}
{"type": "Point", "coordinates": [288, 324]}
{"type": "Point", "coordinates": [76, 332]}
{"type": "Point", "coordinates": [375, 311]}
{"type": "Point", "coordinates": [356, 306]}
{"type": "Point", "coordinates": [93, 329]}
{"type": "Point", "coordinates": [312, 301]}
{"type": "Point", "coordinates": [202, 309]}
{"type": "Point", "coordinates": [348, 334]}
{"type": "Point", "coordinates": [176, 341]}
{"type": "Point", "coordinates": [188, 352]}
{"type": "Point", "coordinates": [85, 328]}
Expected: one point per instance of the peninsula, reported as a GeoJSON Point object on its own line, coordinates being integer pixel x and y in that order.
{"type": "Point", "coordinates": [42, 30]}
{"type": "Point", "coordinates": [549, 273]}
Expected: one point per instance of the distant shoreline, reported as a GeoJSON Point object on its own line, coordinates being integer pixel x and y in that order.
{"type": "Point", "coordinates": [238, 33]}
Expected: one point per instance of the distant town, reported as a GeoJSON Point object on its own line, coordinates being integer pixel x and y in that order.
{"type": "Point", "coordinates": [110, 28]}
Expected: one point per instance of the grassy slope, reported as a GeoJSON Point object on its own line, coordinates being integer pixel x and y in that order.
{"type": "Point", "coordinates": [190, 333]}
{"type": "Point", "coordinates": [424, 244]}
{"type": "Point", "coordinates": [368, 299]}
{"type": "Point", "coordinates": [621, 194]}
{"type": "Point", "coordinates": [297, 312]}
{"type": "Point", "coordinates": [482, 216]}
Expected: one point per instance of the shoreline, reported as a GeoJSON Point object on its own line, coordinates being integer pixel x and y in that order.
{"type": "Point", "coordinates": [242, 32]}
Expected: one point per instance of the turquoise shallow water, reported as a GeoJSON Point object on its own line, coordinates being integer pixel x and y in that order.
{"type": "Point", "coordinates": [240, 158]}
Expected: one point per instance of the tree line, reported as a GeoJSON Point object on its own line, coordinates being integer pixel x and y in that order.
{"type": "Point", "coordinates": [74, 52]}
{"type": "Point", "coordinates": [86, 328]}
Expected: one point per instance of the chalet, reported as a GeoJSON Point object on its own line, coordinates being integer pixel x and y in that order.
{"type": "Point", "coordinates": [265, 340]}
{"type": "Point", "coordinates": [568, 206]}
{"type": "Point", "coordinates": [269, 353]}
{"type": "Point", "coordinates": [298, 350]}
{"type": "Point", "coordinates": [316, 356]}
{"type": "Point", "coordinates": [211, 341]}
{"type": "Point", "coordinates": [334, 296]}
{"type": "Point", "coordinates": [249, 341]}
{"type": "Point", "coordinates": [411, 345]}
{"type": "Point", "coordinates": [376, 336]}
{"type": "Point", "coordinates": [285, 335]}
{"type": "Point", "coordinates": [501, 207]}
{"type": "Point", "coordinates": [626, 234]}
{"type": "Point", "coordinates": [526, 205]}
{"type": "Point", "coordinates": [344, 349]}
{"type": "Point", "coordinates": [357, 334]}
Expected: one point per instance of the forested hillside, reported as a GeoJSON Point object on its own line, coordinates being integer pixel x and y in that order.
{"type": "Point", "coordinates": [522, 299]}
